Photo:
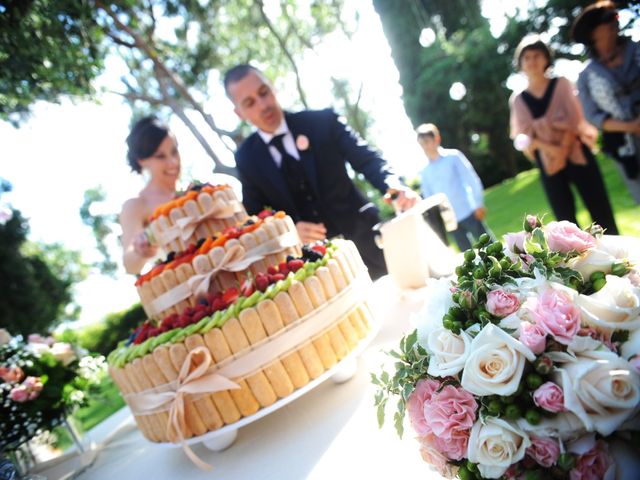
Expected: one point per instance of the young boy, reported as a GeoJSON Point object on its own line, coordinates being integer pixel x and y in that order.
{"type": "Point", "coordinates": [449, 172]}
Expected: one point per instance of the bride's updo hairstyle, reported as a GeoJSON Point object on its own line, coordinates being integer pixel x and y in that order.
{"type": "Point", "coordinates": [144, 139]}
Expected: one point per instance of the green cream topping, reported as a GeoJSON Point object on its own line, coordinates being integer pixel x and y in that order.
{"type": "Point", "coordinates": [126, 354]}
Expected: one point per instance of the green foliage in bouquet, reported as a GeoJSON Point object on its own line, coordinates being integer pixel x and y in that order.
{"type": "Point", "coordinates": [41, 382]}
{"type": "Point", "coordinates": [510, 350]}
{"type": "Point", "coordinates": [411, 365]}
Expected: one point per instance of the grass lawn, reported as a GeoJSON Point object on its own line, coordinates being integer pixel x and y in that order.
{"type": "Point", "coordinates": [508, 202]}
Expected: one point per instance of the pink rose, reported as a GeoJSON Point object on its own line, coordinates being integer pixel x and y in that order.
{"type": "Point", "coordinates": [533, 336]}
{"type": "Point", "coordinates": [533, 221]}
{"type": "Point", "coordinates": [566, 236]}
{"type": "Point", "coordinates": [556, 314]}
{"type": "Point", "coordinates": [515, 241]}
{"type": "Point", "coordinates": [450, 415]}
{"type": "Point", "coordinates": [594, 464]}
{"type": "Point", "coordinates": [416, 403]}
{"type": "Point", "coordinates": [501, 303]}
{"type": "Point", "coordinates": [545, 451]}
{"type": "Point", "coordinates": [456, 447]}
{"type": "Point", "coordinates": [550, 397]}
{"type": "Point", "coordinates": [11, 374]}
{"type": "Point", "coordinates": [432, 454]}
{"type": "Point", "coordinates": [512, 472]}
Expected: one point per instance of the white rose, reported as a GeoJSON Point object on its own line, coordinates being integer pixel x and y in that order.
{"type": "Point", "coordinates": [632, 346]}
{"type": "Point", "coordinates": [601, 389]}
{"type": "Point", "coordinates": [600, 258]}
{"type": "Point", "coordinates": [615, 307]}
{"type": "Point", "coordinates": [63, 353]}
{"type": "Point", "coordinates": [495, 363]}
{"type": "Point", "coordinates": [5, 337]}
{"type": "Point", "coordinates": [437, 303]}
{"type": "Point", "coordinates": [495, 445]}
{"type": "Point", "coordinates": [448, 351]}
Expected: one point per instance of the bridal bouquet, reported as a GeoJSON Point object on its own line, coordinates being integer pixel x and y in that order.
{"type": "Point", "coordinates": [41, 381]}
{"type": "Point", "coordinates": [526, 365]}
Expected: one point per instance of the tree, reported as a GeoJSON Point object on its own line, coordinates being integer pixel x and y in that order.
{"type": "Point", "coordinates": [33, 66]}
{"type": "Point", "coordinates": [170, 47]}
{"type": "Point", "coordinates": [103, 337]}
{"type": "Point", "coordinates": [101, 227]}
{"type": "Point", "coordinates": [35, 280]}
{"type": "Point", "coordinates": [464, 51]}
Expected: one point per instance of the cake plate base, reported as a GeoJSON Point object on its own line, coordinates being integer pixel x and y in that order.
{"type": "Point", "coordinates": [341, 372]}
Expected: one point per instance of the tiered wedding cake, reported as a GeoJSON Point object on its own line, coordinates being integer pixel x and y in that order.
{"type": "Point", "coordinates": [240, 315]}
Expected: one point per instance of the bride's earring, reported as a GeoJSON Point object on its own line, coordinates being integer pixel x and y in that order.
{"type": "Point", "coordinates": [146, 175]}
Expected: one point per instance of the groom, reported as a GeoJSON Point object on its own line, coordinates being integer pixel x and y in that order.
{"type": "Point", "coordinates": [296, 162]}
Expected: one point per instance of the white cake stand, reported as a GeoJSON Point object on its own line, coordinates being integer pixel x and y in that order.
{"type": "Point", "coordinates": [223, 438]}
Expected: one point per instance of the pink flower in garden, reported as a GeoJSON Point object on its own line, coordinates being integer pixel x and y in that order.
{"type": "Point", "coordinates": [593, 465]}
{"type": "Point", "coordinates": [533, 336]}
{"type": "Point", "coordinates": [19, 394]}
{"type": "Point", "coordinates": [11, 374]}
{"type": "Point", "coordinates": [501, 303]}
{"type": "Point", "coordinates": [550, 397]}
{"type": "Point", "coordinates": [29, 390]}
{"type": "Point", "coordinates": [544, 450]}
{"type": "Point", "coordinates": [416, 403]}
{"type": "Point", "coordinates": [556, 314]}
{"type": "Point", "coordinates": [515, 241]}
{"type": "Point", "coordinates": [450, 415]}
{"type": "Point", "coordinates": [565, 236]}
{"type": "Point", "coordinates": [37, 338]}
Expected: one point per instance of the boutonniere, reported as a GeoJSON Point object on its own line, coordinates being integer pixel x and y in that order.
{"type": "Point", "coordinates": [302, 142]}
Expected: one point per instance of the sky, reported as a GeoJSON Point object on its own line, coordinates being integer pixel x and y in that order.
{"type": "Point", "coordinates": [66, 149]}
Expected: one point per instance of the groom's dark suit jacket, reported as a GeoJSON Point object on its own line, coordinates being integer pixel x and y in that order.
{"type": "Point", "coordinates": [343, 209]}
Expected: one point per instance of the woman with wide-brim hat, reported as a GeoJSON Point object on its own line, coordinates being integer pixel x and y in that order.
{"type": "Point", "coordinates": [609, 87]}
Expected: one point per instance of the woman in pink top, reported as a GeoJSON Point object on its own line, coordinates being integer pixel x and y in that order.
{"type": "Point", "coordinates": [548, 125]}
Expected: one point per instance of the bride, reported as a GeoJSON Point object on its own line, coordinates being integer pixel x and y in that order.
{"type": "Point", "coordinates": [152, 149]}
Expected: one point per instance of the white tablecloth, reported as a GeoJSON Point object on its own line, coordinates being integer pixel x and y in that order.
{"type": "Point", "coordinates": [330, 432]}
